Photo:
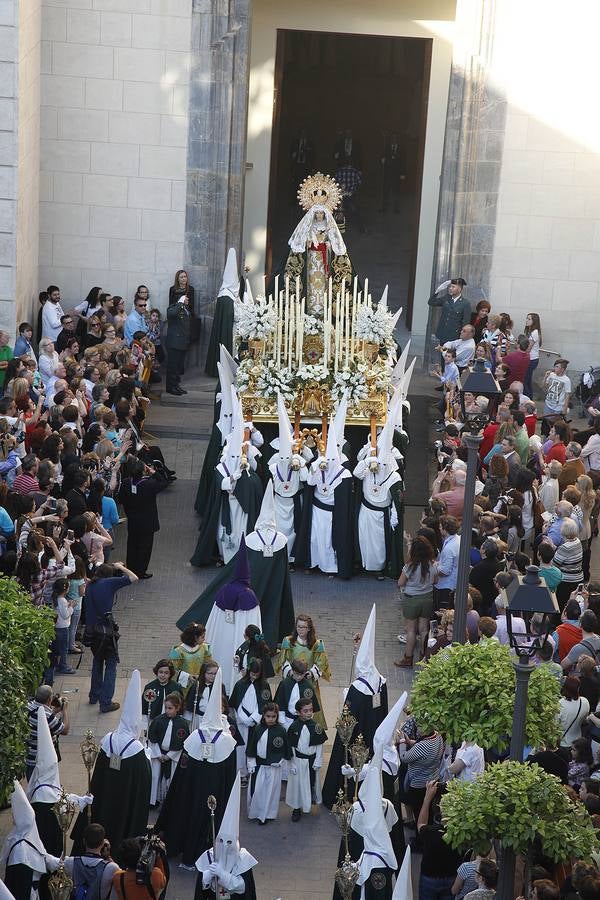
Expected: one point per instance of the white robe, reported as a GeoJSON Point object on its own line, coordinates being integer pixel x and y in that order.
{"type": "Point", "coordinates": [264, 802]}
{"type": "Point", "coordinates": [225, 632]}
{"type": "Point", "coordinates": [229, 544]}
{"type": "Point", "coordinates": [284, 498]}
{"type": "Point", "coordinates": [299, 794]}
{"type": "Point", "coordinates": [160, 787]}
{"type": "Point", "coordinates": [245, 719]}
{"type": "Point", "coordinates": [322, 553]}
{"type": "Point", "coordinates": [371, 523]}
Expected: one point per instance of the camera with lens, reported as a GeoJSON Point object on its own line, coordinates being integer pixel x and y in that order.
{"type": "Point", "coordinates": [58, 701]}
{"type": "Point", "coordinates": [152, 849]}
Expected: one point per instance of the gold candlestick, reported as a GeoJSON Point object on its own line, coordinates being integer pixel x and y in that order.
{"type": "Point", "coordinates": [346, 877]}
{"type": "Point", "coordinates": [89, 753]}
{"type": "Point", "coordinates": [60, 883]}
{"type": "Point", "coordinates": [345, 725]}
{"type": "Point", "coordinates": [359, 753]}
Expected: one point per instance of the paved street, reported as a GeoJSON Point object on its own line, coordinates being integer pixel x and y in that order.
{"type": "Point", "coordinates": [146, 614]}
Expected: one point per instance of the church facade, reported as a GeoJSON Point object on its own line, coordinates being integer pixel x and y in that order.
{"type": "Point", "coordinates": [139, 136]}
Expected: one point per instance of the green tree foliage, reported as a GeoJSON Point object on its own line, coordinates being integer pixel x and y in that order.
{"type": "Point", "coordinates": [25, 634]}
{"type": "Point", "coordinates": [467, 692]}
{"type": "Point", "coordinates": [515, 804]}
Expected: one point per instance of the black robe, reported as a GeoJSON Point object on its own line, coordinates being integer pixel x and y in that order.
{"type": "Point", "coordinates": [248, 492]}
{"type": "Point", "coordinates": [184, 819]}
{"type": "Point", "coordinates": [249, 893]}
{"type": "Point", "coordinates": [19, 881]}
{"type": "Point", "coordinates": [48, 828]}
{"type": "Point", "coordinates": [270, 581]}
{"type": "Point", "coordinates": [121, 800]}
{"type": "Point", "coordinates": [341, 528]}
{"type": "Point", "coordinates": [179, 732]}
{"type": "Point", "coordinates": [356, 845]}
{"type": "Point", "coordinates": [211, 460]}
{"type": "Point", "coordinates": [368, 719]}
{"type": "Point", "coordinates": [221, 333]}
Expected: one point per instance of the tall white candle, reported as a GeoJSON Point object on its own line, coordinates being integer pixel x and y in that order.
{"type": "Point", "coordinates": [366, 293]}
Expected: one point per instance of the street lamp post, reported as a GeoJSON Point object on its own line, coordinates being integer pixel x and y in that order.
{"type": "Point", "coordinates": [472, 442]}
{"type": "Point", "coordinates": [527, 596]}
{"type": "Point", "coordinates": [479, 382]}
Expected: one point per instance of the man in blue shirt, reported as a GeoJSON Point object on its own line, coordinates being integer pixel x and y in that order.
{"type": "Point", "coordinates": [99, 600]}
{"type": "Point", "coordinates": [136, 320]}
{"type": "Point", "coordinates": [447, 565]}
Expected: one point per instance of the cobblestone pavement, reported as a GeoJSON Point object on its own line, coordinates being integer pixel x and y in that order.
{"type": "Point", "coordinates": [146, 614]}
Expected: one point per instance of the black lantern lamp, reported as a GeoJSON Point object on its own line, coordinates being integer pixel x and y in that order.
{"type": "Point", "coordinates": [480, 382]}
{"type": "Point", "coordinates": [529, 598]}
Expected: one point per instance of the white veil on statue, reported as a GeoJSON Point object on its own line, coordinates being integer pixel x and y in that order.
{"type": "Point", "coordinates": [302, 231]}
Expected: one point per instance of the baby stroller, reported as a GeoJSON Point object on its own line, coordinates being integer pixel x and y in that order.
{"type": "Point", "coordinates": [588, 388]}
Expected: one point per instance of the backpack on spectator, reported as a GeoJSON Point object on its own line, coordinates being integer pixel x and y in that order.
{"type": "Point", "coordinates": [88, 880]}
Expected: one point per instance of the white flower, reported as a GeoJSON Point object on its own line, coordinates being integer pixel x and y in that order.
{"type": "Point", "coordinates": [375, 325]}
{"type": "Point", "coordinates": [256, 322]}
{"type": "Point", "coordinates": [312, 325]}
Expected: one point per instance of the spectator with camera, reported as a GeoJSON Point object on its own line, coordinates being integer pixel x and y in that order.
{"type": "Point", "coordinates": [94, 869]}
{"type": "Point", "coordinates": [102, 632]}
{"type": "Point", "coordinates": [57, 713]}
{"type": "Point", "coordinates": [144, 872]}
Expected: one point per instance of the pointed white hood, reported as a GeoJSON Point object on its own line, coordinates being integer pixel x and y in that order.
{"type": "Point", "coordinates": [226, 411]}
{"type": "Point", "coordinates": [231, 279]}
{"type": "Point", "coordinates": [213, 714]}
{"type": "Point", "coordinates": [284, 450]}
{"type": "Point", "coordinates": [265, 531]}
{"type": "Point", "coordinates": [213, 729]}
{"type": "Point", "coordinates": [23, 845]}
{"type": "Point", "coordinates": [383, 740]}
{"type": "Point", "coordinates": [248, 295]}
{"type": "Point", "coordinates": [405, 383]}
{"type": "Point", "coordinates": [44, 785]}
{"type": "Point", "coordinates": [124, 741]}
{"type": "Point", "coordinates": [227, 360]}
{"type": "Point", "coordinates": [5, 894]}
{"type": "Point", "coordinates": [237, 413]}
{"type": "Point", "coordinates": [378, 851]}
{"type": "Point", "coordinates": [365, 667]}
{"type": "Point", "coordinates": [399, 368]}
{"type": "Point", "coordinates": [385, 440]}
{"type": "Point", "coordinates": [232, 452]}
{"type": "Point", "coordinates": [384, 298]}
{"type": "Point", "coordinates": [403, 889]}
{"type": "Point", "coordinates": [227, 851]}
{"type": "Point", "coordinates": [339, 420]}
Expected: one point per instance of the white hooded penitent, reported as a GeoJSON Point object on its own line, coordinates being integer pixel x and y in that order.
{"type": "Point", "coordinates": [367, 677]}
{"type": "Point", "coordinates": [23, 845]}
{"type": "Point", "coordinates": [265, 538]}
{"type": "Point", "coordinates": [213, 731]}
{"type": "Point", "coordinates": [124, 741]}
{"type": "Point", "coordinates": [231, 279]}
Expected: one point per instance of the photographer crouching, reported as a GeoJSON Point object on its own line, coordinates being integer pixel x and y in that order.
{"type": "Point", "coordinates": [146, 872]}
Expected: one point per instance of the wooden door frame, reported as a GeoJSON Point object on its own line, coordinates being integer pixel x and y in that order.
{"type": "Point", "coordinates": [416, 217]}
{"type": "Point", "coordinates": [274, 163]}
{"type": "Point", "coordinates": [280, 48]}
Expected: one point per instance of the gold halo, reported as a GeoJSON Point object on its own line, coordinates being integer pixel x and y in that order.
{"type": "Point", "coordinates": [319, 188]}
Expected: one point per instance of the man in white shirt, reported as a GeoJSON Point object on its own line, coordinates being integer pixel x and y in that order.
{"type": "Point", "coordinates": [502, 580]}
{"type": "Point", "coordinates": [590, 454]}
{"type": "Point", "coordinates": [52, 312]}
{"type": "Point", "coordinates": [469, 762]}
{"type": "Point", "coordinates": [558, 391]}
{"type": "Point", "coordinates": [464, 346]}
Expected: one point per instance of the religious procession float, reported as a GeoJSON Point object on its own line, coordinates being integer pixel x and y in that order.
{"type": "Point", "coordinates": [317, 336]}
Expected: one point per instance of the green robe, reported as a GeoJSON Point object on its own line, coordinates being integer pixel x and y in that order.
{"type": "Point", "coordinates": [248, 492]}
{"type": "Point", "coordinates": [278, 745]}
{"type": "Point", "coordinates": [211, 460]}
{"type": "Point", "coordinates": [154, 689]}
{"type": "Point", "coordinates": [270, 581]}
{"type": "Point", "coordinates": [263, 693]}
{"type": "Point", "coordinates": [306, 691]}
{"type": "Point", "coordinates": [221, 333]}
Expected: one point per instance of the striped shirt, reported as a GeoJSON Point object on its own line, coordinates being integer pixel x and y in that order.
{"type": "Point", "coordinates": [54, 723]}
{"type": "Point", "coordinates": [423, 760]}
{"type": "Point", "coordinates": [569, 559]}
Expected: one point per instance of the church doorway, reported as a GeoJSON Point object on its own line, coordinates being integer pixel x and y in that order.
{"type": "Point", "coordinates": [356, 102]}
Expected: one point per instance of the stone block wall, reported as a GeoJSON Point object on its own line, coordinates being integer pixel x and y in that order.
{"type": "Point", "coordinates": [547, 246]}
{"type": "Point", "coordinates": [114, 124]}
{"type": "Point", "coordinates": [19, 158]}
{"type": "Point", "coordinates": [9, 37]}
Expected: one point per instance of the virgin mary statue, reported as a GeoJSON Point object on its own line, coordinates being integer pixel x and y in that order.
{"type": "Point", "coordinates": [317, 249]}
